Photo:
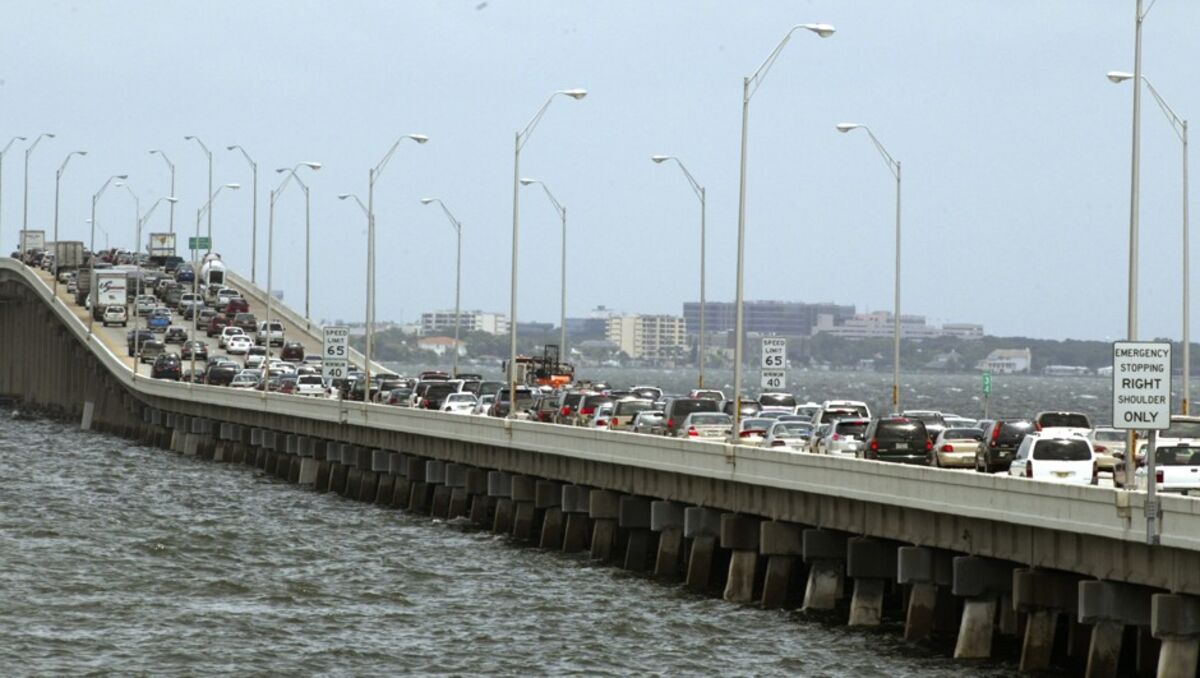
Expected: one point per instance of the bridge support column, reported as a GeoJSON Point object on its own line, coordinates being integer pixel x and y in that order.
{"type": "Point", "coordinates": [481, 503]}
{"type": "Point", "coordinates": [604, 508]}
{"type": "Point", "coordinates": [739, 534]}
{"type": "Point", "coordinates": [1042, 595]}
{"type": "Point", "coordinates": [1175, 620]}
{"type": "Point", "coordinates": [1110, 607]}
{"type": "Point", "coordinates": [221, 451]}
{"type": "Point", "coordinates": [419, 489]}
{"type": "Point", "coordinates": [926, 572]}
{"type": "Point", "coordinates": [703, 527]}
{"type": "Point", "coordinates": [782, 545]}
{"type": "Point", "coordinates": [824, 551]}
{"type": "Point", "coordinates": [577, 530]}
{"type": "Point", "coordinates": [267, 457]}
{"type": "Point", "coordinates": [981, 581]}
{"type": "Point", "coordinates": [460, 502]}
{"type": "Point", "coordinates": [243, 449]}
{"type": "Point", "coordinates": [499, 488]}
{"type": "Point", "coordinates": [308, 462]}
{"type": "Point", "coordinates": [321, 451]}
{"type": "Point", "coordinates": [666, 518]}
{"type": "Point", "coordinates": [402, 487]}
{"type": "Point", "coordinates": [290, 460]}
{"type": "Point", "coordinates": [523, 494]}
{"type": "Point", "coordinates": [354, 477]}
{"type": "Point", "coordinates": [338, 470]}
{"type": "Point", "coordinates": [547, 502]}
{"type": "Point", "coordinates": [385, 482]}
{"type": "Point", "coordinates": [368, 480]}
{"type": "Point", "coordinates": [871, 563]}
{"type": "Point", "coordinates": [439, 495]}
{"type": "Point", "coordinates": [634, 520]}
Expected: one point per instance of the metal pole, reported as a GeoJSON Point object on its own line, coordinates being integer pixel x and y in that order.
{"type": "Point", "coordinates": [25, 201]}
{"type": "Point", "coordinates": [254, 228]}
{"type": "Point", "coordinates": [270, 251]}
{"type": "Point", "coordinates": [896, 346]}
{"type": "Point", "coordinates": [370, 281]}
{"type": "Point", "coordinates": [54, 269]}
{"type": "Point", "coordinates": [1187, 342]}
{"type": "Point", "coordinates": [195, 276]}
{"type": "Point", "coordinates": [703, 238]}
{"type": "Point", "coordinates": [741, 251]}
{"type": "Point", "coordinates": [457, 293]}
{"type": "Point", "coordinates": [307, 254]}
{"type": "Point", "coordinates": [562, 348]}
{"type": "Point", "coordinates": [92, 242]}
{"type": "Point", "coordinates": [512, 315]}
{"type": "Point", "coordinates": [171, 227]}
{"type": "Point", "coordinates": [1134, 180]}
{"type": "Point", "coordinates": [210, 196]}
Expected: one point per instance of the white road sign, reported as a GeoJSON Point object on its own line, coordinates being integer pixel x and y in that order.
{"type": "Point", "coordinates": [774, 380]}
{"type": "Point", "coordinates": [1141, 385]}
{"type": "Point", "coordinates": [774, 353]}
{"type": "Point", "coordinates": [335, 353]}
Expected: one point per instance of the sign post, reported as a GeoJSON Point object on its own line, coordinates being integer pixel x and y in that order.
{"type": "Point", "coordinates": [335, 354]}
{"type": "Point", "coordinates": [987, 392]}
{"type": "Point", "coordinates": [774, 363]}
{"type": "Point", "coordinates": [1142, 400]}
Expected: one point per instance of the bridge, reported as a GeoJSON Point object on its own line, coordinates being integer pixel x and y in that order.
{"type": "Point", "coordinates": [970, 556]}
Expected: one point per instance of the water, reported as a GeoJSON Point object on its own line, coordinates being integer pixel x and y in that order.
{"type": "Point", "coordinates": [123, 559]}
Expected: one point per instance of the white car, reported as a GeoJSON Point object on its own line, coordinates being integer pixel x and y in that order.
{"type": "Point", "coordinates": [145, 303]}
{"type": "Point", "coordinates": [226, 295]}
{"type": "Point", "coordinates": [254, 361]}
{"type": "Point", "coordinates": [1063, 423]}
{"type": "Point", "coordinates": [484, 403]}
{"type": "Point", "coordinates": [310, 385]}
{"type": "Point", "coordinates": [115, 315]}
{"type": "Point", "coordinates": [1177, 469]}
{"type": "Point", "coordinates": [460, 403]}
{"type": "Point", "coordinates": [227, 333]}
{"type": "Point", "coordinates": [788, 436]}
{"type": "Point", "coordinates": [278, 366]}
{"type": "Point", "coordinates": [1056, 458]}
{"type": "Point", "coordinates": [238, 344]}
{"type": "Point", "coordinates": [843, 438]}
{"type": "Point", "coordinates": [276, 333]}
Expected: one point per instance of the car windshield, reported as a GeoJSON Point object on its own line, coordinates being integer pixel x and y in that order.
{"type": "Point", "coordinates": [905, 430]}
{"type": "Point", "coordinates": [791, 430]}
{"type": "Point", "coordinates": [1064, 420]}
{"type": "Point", "coordinates": [853, 429]}
{"type": "Point", "coordinates": [1183, 429]}
{"type": "Point", "coordinates": [309, 379]}
{"type": "Point", "coordinates": [830, 415]}
{"type": "Point", "coordinates": [777, 400]}
{"type": "Point", "coordinates": [460, 398]}
{"type": "Point", "coordinates": [684, 407]}
{"type": "Point", "coordinates": [713, 419]}
{"type": "Point", "coordinates": [627, 407]}
{"type": "Point", "coordinates": [1012, 432]}
{"type": "Point", "coordinates": [963, 434]}
{"type": "Point", "coordinates": [1177, 456]}
{"type": "Point", "coordinates": [1062, 449]}
{"type": "Point", "coordinates": [756, 424]}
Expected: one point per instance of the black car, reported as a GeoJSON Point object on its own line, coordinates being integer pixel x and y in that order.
{"type": "Point", "coordinates": [197, 350]}
{"type": "Point", "coordinates": [167, 366]}
{"type": "Point", "coordinates": [293, 351]}
{"type": "Point", "coordinates": [898, 439]}
{"type": "Point", "coordinates": [175, 335]}
{"type": "Point", "coordinates": [221, 373]}
{"type": "Point", "coordinates": [135, 338]}
{"type": "Point", "coordinates": [1000, 442]}
{"type": "Point", "coordinates": [435, 394]}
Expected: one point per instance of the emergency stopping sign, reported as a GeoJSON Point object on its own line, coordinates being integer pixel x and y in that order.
{"type": "Point", "coordinates": [1141, 385]}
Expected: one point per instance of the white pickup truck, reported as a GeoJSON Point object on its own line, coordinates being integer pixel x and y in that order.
{"type": "Point", "coordinates": [276, 333]}
{"type": "Point", "coordinates": [1177, 468]}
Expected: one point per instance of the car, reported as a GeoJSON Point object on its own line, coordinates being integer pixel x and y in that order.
{"type": "Point", "coordinates": [189, 300]}
{"type": "Point", "coordinates": [143, 304]}
{"type": "Point", "coordinates": [238, 344]}
{"type": "Point", "coordinates": [215, 324]}
{"type": "Point", "coordinates": [184, 274]}
{"type": "Point", "coordinates": [709, 425]}
{"type": "Point", "coordinates": [707, 394]}
{"type": "Point", "coordinates": [567, 404]}
{"type": "Point", "coordinates": [999, 445]}
{"type": "Point", "coordinates": [221, 373]}
{"type": "Point", "coordinates": [135, 338]}
{"type": "Point", "coordinates": [1109, 446]}
{"type": "Point", "coordinates": [842, 437]}
{"type": "Point", "coordinates": [194, 350]}
{"type": "Point", "coordinates": [166, 366]}
{"type": "Point", "coordinates": [649, 422]}
{"type": "Point", "coordinates": [484, 404]}
{"type": "Point", "coordinates": [248, 322]}
{"type": "Point", "coordinates": [436, 392]}
{"type": "Point", "coordinates": [935, 422]}
{"type": "Point", "coordinates": [500, 406]}
{"type": "Point", "coordinates": [115, 315]}
{"type": "Point", "coordinates": [1056, 458]}
{"type": "Point", "coordinates": [650, 393]}
{"type": "Point", "coordinates": [293, 351]}
{"type": "Point", "coordinates": [676, 410]}
{"type": "Point", "coordinates": [791, 436]}
{"type": "Point", "coordinates": [401, 396]}
{"type": "Point", "coordinates": [314, 360]}
{"type": "Point", "coordinates": [272, 337]}
{"type": "Point", "coordinates": [1177, 469]}
{"type": "Point", "coordinates": [955, 421]}
{"type": "Point", "coordinates": [602, 416]}
{"type": "Point", "coordinates": [253, 361]}
{"type": "Point", "coordinates": [749, 408]}
{"type": "Point", "coordinates": [1062, 423]}
{"type": "Point", "coordinates": [459, 403]}
{"type": "Point", "coordinates": [284, 383]}
{"type": "Point", "coordinates": [246, 378]}
{"type": "Point", "coordinates": [175, 335]}
{"type": "Point", "coordinates": [956, 447]}
{"type": "Point", "coordinates": [544, 407]}
{"type": "Point", "coordinates": [235, 306]}
{"type": "Point", "coordinates": [625, 409]}
{"type": "Point", "coordinates": [782, 401]}
{"type": "Point", "coordinates": [897, 439]}
{"type": "Point", "coordinates": [226, 295]}
{"type": "Point", "coordinates": [150, 351]}
{"type": "Point", "coordinates": [227, 333]}
{"type": "Point", "coordinates": [309, 385]}
{"type": "Point", "coordinates": [588, 407]}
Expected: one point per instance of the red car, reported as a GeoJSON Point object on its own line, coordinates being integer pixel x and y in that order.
{"type": "Point", "coordinates": [236, 306]}
{"type": "Point", "coordinates": [216, 324]}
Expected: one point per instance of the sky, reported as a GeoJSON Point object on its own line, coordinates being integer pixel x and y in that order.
{"type": "Point", "coordinates": [1015, 148]}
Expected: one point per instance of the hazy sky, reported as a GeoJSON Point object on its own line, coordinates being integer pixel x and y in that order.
{"type": "Point", "coordinates": [1014, 145]}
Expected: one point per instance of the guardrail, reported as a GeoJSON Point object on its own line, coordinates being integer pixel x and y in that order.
{"type": "Point", "coordinates": [1073, 509]}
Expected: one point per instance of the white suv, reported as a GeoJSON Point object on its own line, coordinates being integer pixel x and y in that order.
{"type": "Point", "coordinates": [1056, 458]}
{"type": "Point", "coordinates": [115, 315]}
{"type": "Point", "coordinates": [276, 333]}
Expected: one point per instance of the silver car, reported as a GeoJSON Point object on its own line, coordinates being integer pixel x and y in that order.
{"type": "Point", "coordinates": [648, 421]}
{"type": "Point", "coordinates": [844, 437]}
{"type": "Point", "coordinates": [706, 426]}
{"type": "Point", "coordinates": [789, 436]}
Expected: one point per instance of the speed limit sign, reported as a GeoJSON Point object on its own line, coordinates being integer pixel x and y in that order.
{"type": "Point", "coordinates": [335, 353]}
{"type": "Point", "coordinates": [774, 353]}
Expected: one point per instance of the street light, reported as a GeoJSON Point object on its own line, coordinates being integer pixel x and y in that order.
{"type": "Point", "coordinates": [254, 217]}
{"type": "Point", "coordinates": [750, 85]}
{"type": "Point", "coordinates": [171, 166]}
{"type": "Point", "coordinates": [196, 273]}
{"type": "Point", "coordinates": [521, 138]}
{"type": "Point", "coordinates": [372, 176]}
{"type": "Point", "coordinates": [92, 223]}
{"type": "Point", "coordinates": [457, 272]}
{"type": "Point", "coordinates": [4, 152]}
{"type": "Point", "coordinates": [344, 196]}
{"type": "Point", "coordinates": [894, 167]}
{"type": "Point", "coordinates": [1180, 127]}
{"type": "Point", "coordinates": [57, 182]}
{"type": "Point", "coordinates": [562, 214]}
{"type": "Point", "coordinates": [25, 202]}
{"type": "Point", "coordinates": [700, 193]}
{"type": "Point", "coordinates": [96, 199]}
{"type": "Point", "coordinates": [210, 184]}
{"type": "Point", "coordinates": [314, 166]}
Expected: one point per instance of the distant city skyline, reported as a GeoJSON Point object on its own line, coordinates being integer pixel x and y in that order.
{"type": "Point", "coordinates": [1016, 148]}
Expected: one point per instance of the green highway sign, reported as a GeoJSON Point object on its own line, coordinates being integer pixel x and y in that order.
{"type": "Point", "coordinates": [987, 383]}
{"type": "Point", "coordinates": [201, 243]}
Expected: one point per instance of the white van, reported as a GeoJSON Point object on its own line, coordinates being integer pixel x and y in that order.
{"type": "Point", "coordinates": [1056, 458]}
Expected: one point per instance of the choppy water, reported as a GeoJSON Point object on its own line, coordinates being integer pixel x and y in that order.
{"type": "Point", "coordinates": [121, 559]}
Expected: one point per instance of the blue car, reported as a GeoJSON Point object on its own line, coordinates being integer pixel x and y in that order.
{"type": "Point", "coordinates": [158, 321]}
{"type": "Point", "coordinates": [184, 274]}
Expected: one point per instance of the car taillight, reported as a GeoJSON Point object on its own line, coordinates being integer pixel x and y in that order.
{"type": "Point", "coordinates": [928, 444]}
{"type": "Point", "coordinates": [587, 411]}
{"type": "Point", "coordinates": [1101, 449]}
{"type": "Point", "coordinates": [995, 433]}
{"type": "Point", "coordinates": [566, 411]}
{"type": "Point", "coordinates": [425, 403]}
{"type": "Point", "coordinates": [1029, 469]}
{"type": "Point", "coordinates": [778, 443]}
{"type": "Point", "coordinates": [1158, 477]}
{"type": "Point", "coordinates": [947, 448]}
{"type": "Point", "coordinates": [874, 445]}
{"type": "Point", "coordinates": [837, 437]}
{"type": "Point", "coordinates": [692, 431]}
{"type": "Point", "coordinates": [671, 423]}
{"type": "Point", "coordinates": [602, 422]}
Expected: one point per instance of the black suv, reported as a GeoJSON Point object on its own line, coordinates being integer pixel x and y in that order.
{"type": "Point", "coordinates": [898, 439]}
{"type": "Point", "coordinates": [1000, 442]}
{"type": "Point", "coordinates": [166, 366]}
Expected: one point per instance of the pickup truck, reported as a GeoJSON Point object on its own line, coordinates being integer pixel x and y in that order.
{"type": "Point", "coordinates": [1177, 468]}
{"type": "Point", "coordinates": [276, 333]}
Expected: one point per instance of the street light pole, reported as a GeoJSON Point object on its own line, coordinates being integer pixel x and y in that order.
{"type": "Point", "coordinates": [457, 272]}
{"type": "Point", "coordinates": [254, 222]}
{"type": "Point", "coordinates": [2, 154]}
{"type": "Point", "coordinates": [701, 194]}
{"type": "Point", "coordinates": [25, 202]}
{"type": "Point", "coordinates": [96, 199]}
{"type": "Point", "coordinates": [207, 206]}
{"type": "Point", "coordinates": [57, 183]}
{"type": "Point", "coordinates": [307, 229]}
{"type": "Point", "coordinates": [894, 167]}
{"type": "Point", "coordinates": [210, 183]}
{"type": "Point", "coordinates": [171, 166]}
{"type": "Point", "coordinates": [750, 85]}
{"type": "Point", "coordinates": [521, 138]}
{"type": "Point", "coordinates": [367, 214]}
{"type": "Point", "coordinates": [562, 214]}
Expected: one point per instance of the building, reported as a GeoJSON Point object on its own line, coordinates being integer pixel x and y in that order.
{"type": "Point", "coordinates": [969, 331]}
{"type": "Point", "coordinates": [438, 322]}
{"type": "Point", "coordinates": [441, 345]}
{"type": "Point", "coordinates": [649, 337]}
{"type": "Point", "coordinates": [1007, 361]}
{"type": "Point", "coordinates": [876, 325]}
{"type": "Point", "coordinates": [782, 318]}
{"type": "Point", "coordinates": [593, 326]}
